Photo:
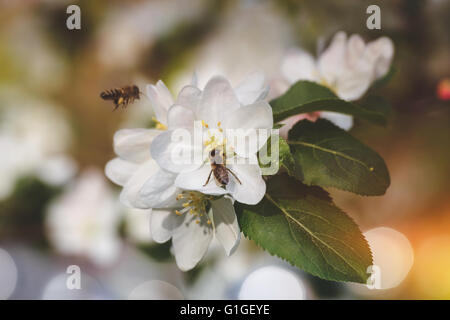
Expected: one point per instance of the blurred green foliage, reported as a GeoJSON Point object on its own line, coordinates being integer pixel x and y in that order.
{"type": "Point", "coordinates": [22, 214]}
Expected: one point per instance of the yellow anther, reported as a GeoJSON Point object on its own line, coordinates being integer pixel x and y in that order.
{"type": "Point", "coordinates": [219, 123]}
{"type": "Point", "coordinates": [197, 221]}
{"type": "Point", "coordinates": [204, 124]}
{"type": "Point", "coordinates": [371, 168]}
{"type": "Point", "coordinates": [208, 222]}
{"type": "Point", "coordinates": [159, 125]}
{"type": "Point", "coordinates": [195, 204]}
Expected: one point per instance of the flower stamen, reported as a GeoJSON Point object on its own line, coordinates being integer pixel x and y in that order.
{"type": "Point", "coordinates": [159, 125]}
{"type": "Point", "coordinates": [196, 204]}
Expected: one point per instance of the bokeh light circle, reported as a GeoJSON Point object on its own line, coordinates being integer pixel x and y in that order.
{"type": "Point", "coordinates": [57, 289]}
{"type": "Point", "coordinates": [155, 290]}
{"type": "Point", "coordinates": [8, 275]}
{"type": "Point", "coordinates": [392, 253]}
{"type": "Point", "coordinates": [272, 283]}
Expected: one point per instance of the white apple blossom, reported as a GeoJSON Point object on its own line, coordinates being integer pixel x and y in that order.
{"type": "Point", "coordinates": [84, 221]}
{"type": "Point", "coordinates": [192, 222]}
{"type": "Point", "coordinates": [134, 166]}
{"type": "Point", "coordinates": [348, 67]}
{"type": "Point", "coordinates": [188, 217]}
{"type": "Point", "coordinates": [223, 112]}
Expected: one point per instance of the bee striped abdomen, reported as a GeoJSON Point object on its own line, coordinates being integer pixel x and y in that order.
{"type": "Point", "coordinates": [121, 96]}
{"type": "Point", "coordinates": [221, 175]}
{"type": "Point", "coordinates": [219, 170]}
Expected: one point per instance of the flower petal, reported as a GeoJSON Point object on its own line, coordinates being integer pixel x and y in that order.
{"type": "Point", "coordinates": [120, 171]}
{"type": "Point", "coordinates": [163, 223]}
{"type": "Point", "coordinates": [194, 79]}
{"type": "Point", "coordinates": [159, 190]}
{"type": "Point", "coordinates": [381, 52]}
{"type": "Point", "coordinates": [355, 50]}
{"type": "Point", "coordinates": [299, 65]}
{"type": "Point", "coordinates": [252, 88]}
{"type": "Point", "coordinates": [175, 151]}
{"type": "Point", "coordinates": [288, 123]}
{"type": "Point", "coordinates": [253, 186]}
{"type": "Point", "coordinates": [180, 117]}
{"type": "Point", "coordinates": [130, 195]}
{"type": "Point", "coordinates": [343, 121]}
{"type": "Point", "coordinates": [189, 97]}
{"type": "Point", "coordinates": [353, 86]}
{"type": "Point", "coordinates": [225, 223]}
{"type": "Point", "coordinates": [218, 100]}
{"type": "Point", "coordinates": [254, 116]}
{"type": "Point", "coordinates": [331, 61]}
{"type": "Point", "coordinates": [134, 144]}
{"type": "Point", "coordinates": [190, 242]}
{"type": "Point", "coordinates": [345, 67]}
{"type": "Point", "coordinates": [195, 180]}
{"type": "Point", "coordinates": [161, 100]}
{"type": "Point", "coordinates": [359, 71]}
{"type": "Point", "coordinates": [251, 125]}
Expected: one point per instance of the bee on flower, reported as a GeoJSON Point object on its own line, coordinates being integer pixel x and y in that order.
{"type": "Point", "coordinates": [183, 207]}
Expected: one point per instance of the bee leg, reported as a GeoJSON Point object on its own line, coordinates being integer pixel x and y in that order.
{"type": "Point", "coordinates": [234, 175]}
{"type": "Point", "coordinates": [209, 178]}
{"type": "Point", "coordinates": [120, 102]}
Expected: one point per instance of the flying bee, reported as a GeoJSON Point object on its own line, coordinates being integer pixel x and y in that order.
{"type": "Point", "coordinates": [219, 169]}
{"type": "Point", "coordinates": [122, 96]}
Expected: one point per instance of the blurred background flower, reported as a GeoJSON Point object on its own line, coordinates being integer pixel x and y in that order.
{"type": "Point", "coordinates": [29, 143]}
{"type": "Point", "coordinates": [57, 209]}
{"type": "Point", "coordinates": [84, 220]}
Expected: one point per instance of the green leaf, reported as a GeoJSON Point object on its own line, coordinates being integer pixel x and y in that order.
{"type": "Point", "coordinates": [287, 161]}
{"type": "Point", "coordinates": [274, 155]}
{"type": "Point", "coordinates": [328, 156]}
{"type": "Point", "coordinates": [301, 225]}
{"type": "Point", "coordinates": [306, 96]}
{"type": "Point", "coordinates": [378, 104]}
